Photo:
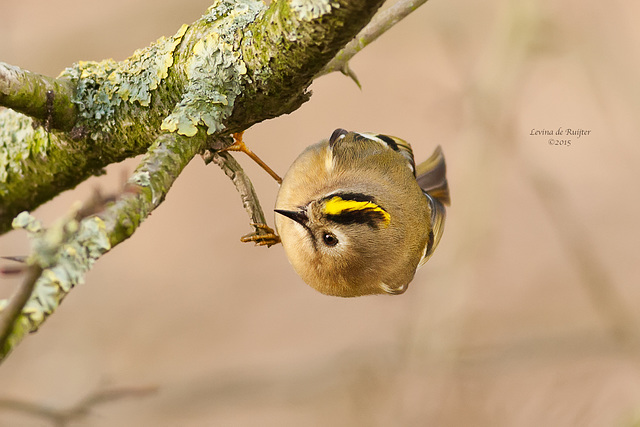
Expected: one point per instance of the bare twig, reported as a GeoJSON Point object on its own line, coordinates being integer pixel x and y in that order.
{"type": "Point", "coordinates": [248, 194]}
{"type": "Point", "coordinates": [16, 258]}
{"type": "Point", "coordinates": [381, 22]}
{"type": "Point", "coordinates": [20, 268]}
{"type": "Point", "coordinates": [12, 270]}
{"type": "Point", "coordinates": [63, 416]}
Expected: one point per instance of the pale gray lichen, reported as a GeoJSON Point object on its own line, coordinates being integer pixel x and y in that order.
{"type": "Point", "coordinates": [26, 222]}
{"type": "Point", "coordinates": [143, 71]}
{"type": "Point", "coordinates": [312, 9]}
{"type": "Point", "coordinates": [142, 179]}
{"type": "Point", "coordinates": [65, 251]}
{"type": "Point", "coordinates": [19, 140]}
{"type": "Point", "coordinates": [102, 86]}
{"type": "Point", "coordinates": [215, 69]}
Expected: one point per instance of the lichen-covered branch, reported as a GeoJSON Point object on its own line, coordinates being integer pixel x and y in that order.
{"type": "Point", "coordinates": [13, 307]}
{"type": "Point", "coordinates": [41, 97]}
{"type": "Point", "coordinates": [36, 165]}
{"type": "Point", "coordinates": [149, 184]}
{"type": "Point", "coordinates": [380, 23]}
{"type": "Point", "coordinates": [68, 249]}
{"type": "Point", "coordinates": [308, 32]}
{"type": "Point", "coordinates": [239, 64]}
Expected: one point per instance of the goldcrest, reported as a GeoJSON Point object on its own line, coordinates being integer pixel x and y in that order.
{"type": "Point", "coordinates": [355, 215]}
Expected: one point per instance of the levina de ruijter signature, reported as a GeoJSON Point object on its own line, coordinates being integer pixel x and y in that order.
{"type": "Point", "coordinates": [561, 136]}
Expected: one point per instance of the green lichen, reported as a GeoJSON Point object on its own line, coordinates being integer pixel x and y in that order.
{"type": "Point", "coordinates": [102, 86]}
{"type": "Point", "coordinates": [312, 9]}
{"type": "Point", "coordinates": [65, 251]}
{"type": "Point", "coordinates": [19, 141]}
{"type": "Point", "coordinates": [215, 69]}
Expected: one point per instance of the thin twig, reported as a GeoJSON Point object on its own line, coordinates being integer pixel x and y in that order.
{"type": "Point", "coordinates": [16, 258]}
{"type": "Point", "coordinates": [64, 416]}
{"type": "Point", "coordinates": [381, 22]}
{"type": "Point", "coordinates": [248, 194]}
{"type": "Point", "coordinates": [8, 270]}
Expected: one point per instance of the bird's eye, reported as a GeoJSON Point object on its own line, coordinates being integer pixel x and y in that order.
{"type": "Point", "coordinates": [329, 239]}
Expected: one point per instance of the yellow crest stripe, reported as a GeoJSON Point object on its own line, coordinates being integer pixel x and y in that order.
{"type": "Point", "coordinates": [337, 206]}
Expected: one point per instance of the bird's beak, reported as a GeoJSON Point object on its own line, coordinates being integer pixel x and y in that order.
{"type": "Point", "coordinates": [298, 216]}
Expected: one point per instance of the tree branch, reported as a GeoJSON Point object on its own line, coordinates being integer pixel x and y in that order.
{"type": "Point", "coordinates": [46, 99]}
{"type": "Point", "coordinates": [380, 23]}
{"type": "Point", "coordinates": [67, 250]}
{"type": "Point", "coordinates": [13, 307]}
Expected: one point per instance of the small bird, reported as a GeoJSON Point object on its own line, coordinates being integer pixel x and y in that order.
{"type": "Point", "coordinates": [355, 215]}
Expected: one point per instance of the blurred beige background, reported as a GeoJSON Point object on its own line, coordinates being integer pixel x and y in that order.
{"type": "Point", "coordinates": [525, 316]}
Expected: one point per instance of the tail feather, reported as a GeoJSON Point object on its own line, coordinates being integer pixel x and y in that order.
{"type": "Point", "coordinates": [432, 177]}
